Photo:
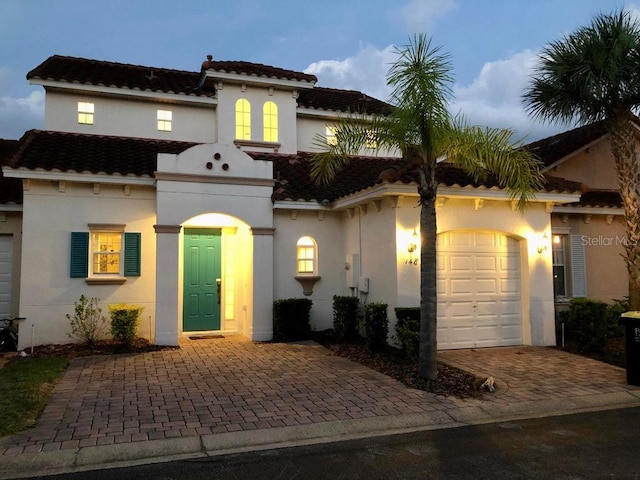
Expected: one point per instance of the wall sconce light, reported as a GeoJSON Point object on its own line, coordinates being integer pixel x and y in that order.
{"type": "Point", "coordinates": [543, 244]}
{"type": "Point", "coordinates": [413, 243]}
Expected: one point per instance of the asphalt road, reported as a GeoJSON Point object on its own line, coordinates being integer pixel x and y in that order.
{"type": "Point", "coordinates": [585, 446]}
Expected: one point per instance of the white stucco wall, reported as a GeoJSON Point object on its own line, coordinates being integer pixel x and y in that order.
{"type": "Point", "coordinates": [48, 293]}
{"type": "Point", "coordinates": [131, 117]}
{"type": "Point", "coordinates": [326, 229]}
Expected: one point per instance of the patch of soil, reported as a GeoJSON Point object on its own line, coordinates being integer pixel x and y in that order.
{"type": "Point", "coordinates": [613, 353]}
{"type": "Point", "coordinates": [393, 363]}
{"type": "Point", "coordinates": [102, 347]}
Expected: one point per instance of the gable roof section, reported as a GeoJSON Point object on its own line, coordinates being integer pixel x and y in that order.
{"type": "Point", "coordinates": [136, 77]}
{"type": "Point", "coordinates": [73, 152]}
{"type": "Point", "coordinates": [257, 70]}
{"type": "Point", "coordinates": [293, 178]}
{"type": "Point", "coordinates": [552, 149]}
{"type": "Point", "coordinates": [10, 188]}
{"type": "Point", "coordinates": [350, 101]}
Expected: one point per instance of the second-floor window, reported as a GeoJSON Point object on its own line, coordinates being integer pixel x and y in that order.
{"type": "Point", "coordinates": [243, 119]}
{"type": "Point", "coordinates": [559, 266]}
{"type": "Point", "coordinates": [85, 113]}
{"type": "Point", "coordinates": [330, 134]}
{"type": "Point", "coordinates": [270, 120]}
{"type": "Point", "coordinates": [164, 120]}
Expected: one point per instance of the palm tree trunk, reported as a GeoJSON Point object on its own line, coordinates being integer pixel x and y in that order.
{"type": "Point", "coordinates": [427, 360]}
{"type": "Point", "coordinates": [623, 145]}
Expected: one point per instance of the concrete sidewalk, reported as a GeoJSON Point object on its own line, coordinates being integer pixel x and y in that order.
{"type": "Point", "coordinates": [217, 396]}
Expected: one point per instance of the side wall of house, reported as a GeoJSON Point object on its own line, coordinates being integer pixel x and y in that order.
{"type": "Point", "coordinates": [51, 212]}
{"type": "Point", "coordinates": [131, 117]}
{"type": "Point", "coordinates": [325, 228]}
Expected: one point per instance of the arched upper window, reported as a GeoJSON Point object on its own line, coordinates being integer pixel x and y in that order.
{"type": "Point", "coordinates": [243, 119]}
{"type": "Point", "coordinates": [270, 120]}
{"type": "Point", "coordinates": [307, 256]}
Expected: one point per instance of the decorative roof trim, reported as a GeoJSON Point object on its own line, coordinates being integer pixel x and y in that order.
{"type": "Point", "coordinates": [577, 210]}
{"type": "Point", "coordinates": [189, 178]}
{"type": "Point", "coordinates": [250, 79]}
{"type": "Point", "coordinates": [77, 177]}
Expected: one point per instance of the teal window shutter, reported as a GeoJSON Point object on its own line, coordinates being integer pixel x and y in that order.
{"type": "Point", "coordinates": [79, 255]}
{"type": "Point", "coordinates": [132, 244]}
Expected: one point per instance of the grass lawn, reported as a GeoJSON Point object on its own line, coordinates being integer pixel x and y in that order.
{"type": "Point", "coordinates": [25, 386]}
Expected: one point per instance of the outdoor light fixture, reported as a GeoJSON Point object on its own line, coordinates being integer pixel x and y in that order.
{"type": "Point", "coordinates": [542, 246]}
{"type": "Point", "coordinates": [413, 244]}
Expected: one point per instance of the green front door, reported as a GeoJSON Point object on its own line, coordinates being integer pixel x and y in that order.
{"type": "Point", "coordinates": [202, 282]}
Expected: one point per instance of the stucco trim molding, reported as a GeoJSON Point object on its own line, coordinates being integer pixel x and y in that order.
{"type": "Point", "coordinates": [167, 228]}
{"type": "Point", "coordinates": [185, 177]}
{"type": "Point", "coordinates": [263, 231]}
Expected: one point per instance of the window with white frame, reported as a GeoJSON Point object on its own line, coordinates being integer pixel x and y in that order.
{"type": "Point", "coordinates": [558, 251]}
{"type": "Point", "coordinates": [371, 141]}
{"type": "Point", "coordinates": [307, 256]}
{"type": "Point", "coordinates": [86, 111]}
{"type": "Point", "coordinates": [243, 119]}
{"type": "Point", "coordinates": [270, 121]}
{"type": "Point", "coordinates": [330, 134]}
{"type": "Point", "coordinates": [105, 251]}
{"type": "Point", "coordinates": [164, 120]}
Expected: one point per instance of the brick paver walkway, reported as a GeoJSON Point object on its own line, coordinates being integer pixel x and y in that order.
{"type": "Point", "coordinates": [211, 386]}
{"type": "Point", "coordinates": [224, 385]}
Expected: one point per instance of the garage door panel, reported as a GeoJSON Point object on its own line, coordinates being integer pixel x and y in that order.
{"type": "Point", "coordinates": [6, 262]}
{"type": "Point", "coordinates": [479, 303]}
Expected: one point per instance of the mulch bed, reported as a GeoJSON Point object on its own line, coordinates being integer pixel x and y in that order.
{"type": "Point", "coordinates": [102, 347]}
{"type": "Point", "coordinates": [613, 353]}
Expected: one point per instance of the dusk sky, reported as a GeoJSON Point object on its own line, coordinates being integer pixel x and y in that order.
{"type": "Point", "coordinates": [346, 44]}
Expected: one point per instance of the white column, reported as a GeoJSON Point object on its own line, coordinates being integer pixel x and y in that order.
{"type": "Point", "coordinates": [167, 264]}
{"type": "Point", "coordinates": [262, 324]}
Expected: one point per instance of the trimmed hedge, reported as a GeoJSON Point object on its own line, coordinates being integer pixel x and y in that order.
{"type": "Point", "coordinates": [291, 319]}
{"type": "Point", "coordinates": [345, 318]}
{"type": "Point", "coordinates": [376, 325]}
{"type": "Point", "coordinates": [408, 330]}
{"type": "Point", "coordinates": [124, 322]}
{"type": "Point", "coordinates": [591, 322]}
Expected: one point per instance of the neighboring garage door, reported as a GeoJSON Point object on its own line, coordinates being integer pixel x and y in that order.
{"type": "Point", "coordinates": [6, 246]}
{"type": "Point", "coordinates": [479, 290]}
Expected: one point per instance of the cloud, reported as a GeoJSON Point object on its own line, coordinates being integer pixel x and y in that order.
{"type": "Point", "coordinates": [366, 71]}
{"type": "Point", "coordinates": [20, 114]}
{"type": "Point", "coordinates": [419, 15]}
{"type": "Point", "coordinates": [494, 97]}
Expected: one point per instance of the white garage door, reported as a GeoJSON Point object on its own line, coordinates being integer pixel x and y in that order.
{"type": "Point", "coordinates": [479, 293]}
{"type": "Point", "coordinates": [6, 247]}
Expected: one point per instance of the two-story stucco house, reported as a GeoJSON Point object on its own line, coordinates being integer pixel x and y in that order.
{"type": "Point", "coordinates": [188, 193]}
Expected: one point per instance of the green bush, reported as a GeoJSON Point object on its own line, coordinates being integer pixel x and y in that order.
{"type": "Point", "coordinates": [408, 330]}
{"type": "Point", "coordinates": [615, 310]}
{"type": "Point", "coordinates": [88, 324]}
{"type": "Point", "coordinates": [124, 322]}
{"type": "Point", "coordinates": [345, 318]}
{"type": "Point", "coordinates": [291, 319]}
{"type": "Point", "coordinates": [587, 323]}
{"type": "Point", "coordinates": [376, 325]}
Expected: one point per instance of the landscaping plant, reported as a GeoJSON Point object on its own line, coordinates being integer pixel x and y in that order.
{"type": "Point", "coordinates": [124, 322]}
{"type": "Point", "coordinates": [376, 325]}
{"type": "Point", "coordinates": [345, 318]}
{"type": "Point", "coordinates": [88, 324]}
{"type": "Point", "coordinates": [291, 319]}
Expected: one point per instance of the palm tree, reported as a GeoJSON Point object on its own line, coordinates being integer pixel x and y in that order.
{"type": "Point", "coordinates": [590, 75]}
{"type": "Point", "coordinates": [422, 129]}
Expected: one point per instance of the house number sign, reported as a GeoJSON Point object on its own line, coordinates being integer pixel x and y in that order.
{"type": "Point", "coordinates": [636, 334]}
{"type": "Point", "coordinates": [412, 261]}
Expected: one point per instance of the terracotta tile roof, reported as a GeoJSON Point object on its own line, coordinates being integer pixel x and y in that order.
{"type": "Point", "coordinates": [257, 70]}
{"type": "Point", "coordinates": [599, 199]}
{"type": "Point", "coordinates": [73, 152]}
{"type": "Point", "coordinates": [10, 188]}
{"type": "Point", "coordinates": [342, 101]}
{"type": "Point", "coordinates": [121, 75]}
{"type": "Point", "coordinates": [293, 180]}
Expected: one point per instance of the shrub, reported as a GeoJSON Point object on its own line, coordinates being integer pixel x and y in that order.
{"type": "Point", "coordinates": [345, 318]}
{"type": "Point", "coordinates": [291, 319]}
{"type": "Point", "coordinates": [615, 310]}
{"type": "Point", "coordinates": [88, 324]}
{"type": "Point", "coordinates": [376, 325]}
{"type": "Point", "coordinates": [124, 322]}
{"type": "Point", "coordinates": [588, 324]}
{"type": "Point", "coordinates": [408, 330]}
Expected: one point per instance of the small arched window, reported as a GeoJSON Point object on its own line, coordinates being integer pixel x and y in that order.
{"type": "Point", "coordinates": [270, 120]}
{"type": "Point", "coordinates": [307, 256]}
{"type": "Point", "coordinates": [243, 119]}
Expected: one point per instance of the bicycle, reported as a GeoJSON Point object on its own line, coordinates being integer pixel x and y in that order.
{"type": "Point", "coordinates": [9, 334]}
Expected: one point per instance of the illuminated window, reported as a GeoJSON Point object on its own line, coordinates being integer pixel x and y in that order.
{"type": "Point", "coordinates": [331, 135]}
{"type": "Point", "coordinates": [164, 120]}
{"type": "Point", "coordinates": [243, 119]}
{"type": "Point", "coordinates": [371, 141]}
{"type": "Point", "coordinates": [307, 256]}
{"type": "Point", "coordinates": [85, 113]}
{"type": "Point", "coordinates": [105, 252]}
{"type": "Point", "coordinates": [559, 265]}
{"type": "Point", "coordinates": [270, 115]}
